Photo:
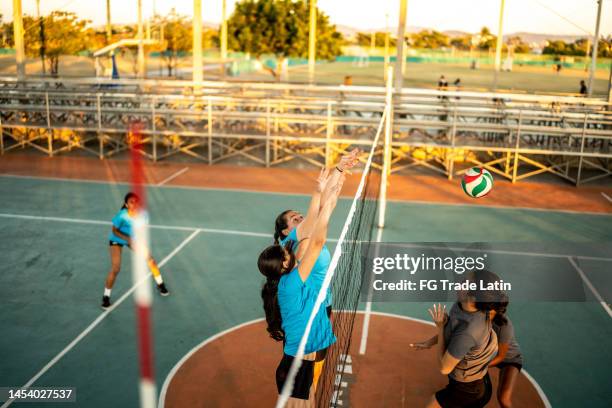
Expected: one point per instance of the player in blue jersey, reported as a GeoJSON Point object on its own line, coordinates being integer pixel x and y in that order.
{"type": "Point", "coordinates": [289, 296]}
{"type": "Point", "coordinates": [120, 236]}
{"type": "Point", "coordinates": [291, 227]}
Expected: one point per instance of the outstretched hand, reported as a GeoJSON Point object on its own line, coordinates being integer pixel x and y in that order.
{"type": "Point", "coordinates": [438, 314]}
{"type": "Point", "coordinates": [348, 161]}
{"type": "Point", "coordinates": [322, 180]}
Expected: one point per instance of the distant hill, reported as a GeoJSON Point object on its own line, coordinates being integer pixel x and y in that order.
{"type": "Point", "coordinates": [539, 38]}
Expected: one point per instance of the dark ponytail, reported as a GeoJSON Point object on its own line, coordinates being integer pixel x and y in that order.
{"type": "Point", "coordinates": [270, 264]}
{"type": "Point", "coordinates": [279, 225]}
{"type": "Point", "coordinates": [127, 197]}
{"type": "Point", "coordinates": [487, 300]}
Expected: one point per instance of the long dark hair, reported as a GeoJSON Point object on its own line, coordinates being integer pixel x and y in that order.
{"type": "Point", "coordinates": [127, 197]}
{"type": "Point", "coordinates": [487, 300]}
{"type": "Point", "coordinates": [270, 264]}
{"type": "Point", "coordinates": [279, 225]}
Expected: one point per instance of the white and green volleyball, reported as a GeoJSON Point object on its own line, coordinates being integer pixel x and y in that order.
{"type": "Point", "coordinates": [477, 182]}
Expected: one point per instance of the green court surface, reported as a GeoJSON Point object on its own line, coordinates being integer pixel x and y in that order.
{"type": "Point", "coordinates": [54, 259]}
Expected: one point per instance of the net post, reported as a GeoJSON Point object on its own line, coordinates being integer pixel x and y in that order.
{"type": "Point", "coordinates": [142, 295]}
{"type": "Point", "coordinates": [387, 149]}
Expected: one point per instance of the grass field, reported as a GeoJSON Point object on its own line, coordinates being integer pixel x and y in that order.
{"type": "Point", "coordinates": [527, 79]}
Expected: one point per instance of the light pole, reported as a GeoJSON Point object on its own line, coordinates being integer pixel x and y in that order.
{"type": "Point", "coordinates": [109, 30]}
{"type": "Point", "coordinates": [312, 41]}
{"type": "Point", "coordinates": [18, 35]}
{"type": "Point", "coordinates": [197, 41]}
{"type": "Point", "coordinates": [141, 55]}
{"type": "Point", "coordinates": [595, 46]}
{"type": "Point", "coordinates": [399, 61]}
{"type": "Point", "coordinates": [499, 44]}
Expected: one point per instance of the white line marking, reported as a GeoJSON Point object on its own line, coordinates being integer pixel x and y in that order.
{"type": "Point", "coordinates": [243, 190]}
{"type": "Point", "coordinates": [164, 227]}
{"type": "Point", "coordinates": [590, 285]}
{"type": "Point", "coordinates": [173, 176]}
{"type": "Point", "coordinates": [607, 197]}
{"type": "Point", "coordinates": [103, 315]}
{"type": "Point", "coordinates": [499, 251]}
{"type": "Point", "coordinates": [177, 366]}
{"type": "Point", "coordinates": [368, 308]}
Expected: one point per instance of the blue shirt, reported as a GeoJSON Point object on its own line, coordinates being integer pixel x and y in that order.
{"type": "Point", "coordinates": [296, 300]}
{"type": "Point", "coordinates": [123, 222]}
{"type": "Point", "coordinates": [319, 269]}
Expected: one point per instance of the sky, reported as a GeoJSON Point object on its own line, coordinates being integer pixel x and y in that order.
{"type": "Point", "coordinates": [568, 17]}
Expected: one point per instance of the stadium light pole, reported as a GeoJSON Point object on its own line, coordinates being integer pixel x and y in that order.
{"type": "Point", "coordinates": [197, 41]}
{"type": "Point", "coordinates": [499, 44]}
{"type": "Point", "coordinates": [223, 32]}
{"type": "Point", "coordinates": [141, 55]}
{"type": "Point", "coordinates": [386, 67]}
{"type": "Point", "coordinates": [312, 41]}
{"type": "Point", "coordinates": [18, 35]}
{"type": "Point", "coordinates": [594, 52]}
{"type": "Point", "coordinates": [109, 30]}
{"type": "Point", "coordinates": [399, 60]}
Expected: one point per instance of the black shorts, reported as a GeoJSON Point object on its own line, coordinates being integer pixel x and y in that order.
{"type": "Point", "coordinates": [304, 377]}
{"type": "Point", "coordinates": [114, 243]}
{"type": "Point", "coordinates": [517, 365]}
{"type": "Point", "coordinates": [475, 394]}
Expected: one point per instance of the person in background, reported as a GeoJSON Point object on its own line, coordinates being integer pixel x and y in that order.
{"type": "Point", "coordinates": [583, 88]}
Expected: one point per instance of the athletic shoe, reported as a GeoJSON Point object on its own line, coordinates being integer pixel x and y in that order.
{"type": "Point", "coordinates": [106, 302]}
{"type": "Point", "coordinates": [162, 289]}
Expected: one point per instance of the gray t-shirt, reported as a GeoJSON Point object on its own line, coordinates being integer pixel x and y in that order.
{"type": "Point", "coordinates": [505, 334]}
{"type": "Point", "coordinates": [469, 337]}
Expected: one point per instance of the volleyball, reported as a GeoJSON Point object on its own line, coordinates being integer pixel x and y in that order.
{"type": "Point", "coordinates": [477, 182]}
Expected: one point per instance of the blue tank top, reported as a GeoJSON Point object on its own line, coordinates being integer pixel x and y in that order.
{"type": "Point", "coordinates": [319, 269]}
{"type": "Point", "coordinates": [296, 300]}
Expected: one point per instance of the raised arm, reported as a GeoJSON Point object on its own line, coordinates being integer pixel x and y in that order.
{"type": "Point", "coordinates": [304, 229]}
{"type": "Point", "coordinates": [326, 183]}
{"type": "Point", "coordinates": [319, 233]}
{"type": "Point", "coordinates": [347, 162]}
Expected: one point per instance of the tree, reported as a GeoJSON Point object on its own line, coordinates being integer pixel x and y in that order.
{"type": "Point", "coordinates": [178, 38]}
{"type": "Point", "coordinates": [280, 27]}
{"type": "Point", "coordinates": [65, 34]}
{"type": "Point", "coordinates": [429, 39]}
{"type": "Point", "coordinates": [487, 40]}
{"type": "Point", "coordinates": [365, 39]}
{"type": "Point", "coordinates": [518, 45]}
{"type": "Point", "coordinates": [462, 43]}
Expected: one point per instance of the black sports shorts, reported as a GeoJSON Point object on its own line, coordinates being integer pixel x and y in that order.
{"type": "Point", "coordinates": [304, 377]}
{"type": "Point", "coordinates": [474, 394]}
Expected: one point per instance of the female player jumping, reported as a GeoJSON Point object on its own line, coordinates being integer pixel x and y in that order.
{"type": "Point", "coordinates": [120, 236]}
{"type": "Point", "coordinates": [291, 227]}
{"type": "Point", "coordinates": [289, 296]}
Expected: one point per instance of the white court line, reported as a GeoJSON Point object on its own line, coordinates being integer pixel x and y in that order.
{"type": "Point", "coordinates": [586, 280]}
{"type": "Point", "coordinates": [177, 366]}
{"type": "Point", "coordinates": [103, 315]}
{"type": "Point", "coordinates": [243, 190]}
{"type": "Point", "coordinates": [368, 307]}
{"type": "Point", "coordinates": [173, 176]}
{"type": "Point", "coordinates": [607, 197]}
{"type": "Point", "coordinates": [500, 251]}
{"type": "Point", "coordinates": [164, 227]}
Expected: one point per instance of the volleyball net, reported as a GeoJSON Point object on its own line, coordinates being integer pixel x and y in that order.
{"type": "Point", "coordinates": [345, 277]}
